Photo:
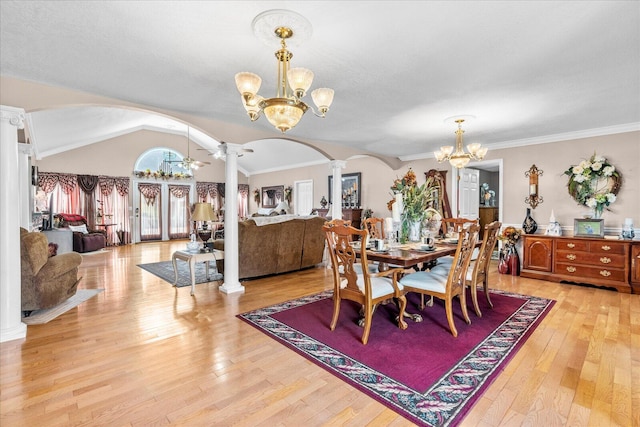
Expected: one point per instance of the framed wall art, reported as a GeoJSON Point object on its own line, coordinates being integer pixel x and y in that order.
{"type": "Point", "coordinates": [351, 190]}
{"type": "Point", "coordinates": [271, 196]}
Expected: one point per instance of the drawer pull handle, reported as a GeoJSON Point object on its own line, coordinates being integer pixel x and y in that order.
{"type": "Point", "coordinates": [572, 269]}
{"type": "Point", "coordinates": [571, 257]}
{"type": "Point", "coordinates": [605, 260]}
{"type": "Point", "coordinates": [606, 248]}
{"type": "Point", "coordinates": [571, 245]}
{"type": "Point", "coordinates": [605, 273]}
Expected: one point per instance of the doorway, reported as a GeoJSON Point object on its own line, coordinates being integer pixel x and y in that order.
{"type": "Point", "coordinates": [492, 167]}
{"type": "Point", "coordinates": [303, 197]}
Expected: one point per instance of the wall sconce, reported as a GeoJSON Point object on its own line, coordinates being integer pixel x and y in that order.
{"type": "Point", "coordinates": [533, 199]}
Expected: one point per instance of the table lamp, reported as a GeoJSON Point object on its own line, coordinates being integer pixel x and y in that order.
{"type": "Point", "coordinates": [204, 212]}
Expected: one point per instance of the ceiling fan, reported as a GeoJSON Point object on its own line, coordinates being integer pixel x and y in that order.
{"type": "Point", "coordinates": [188, 162]}
{"type": "Point", "coordinates": [221, 151]}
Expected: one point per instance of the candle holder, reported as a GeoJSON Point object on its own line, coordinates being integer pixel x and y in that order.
{"type": "Point", "coordinates": [627, 229]}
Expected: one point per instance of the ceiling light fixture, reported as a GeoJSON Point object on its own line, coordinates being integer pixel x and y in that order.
{"type": "Point", "coordinates": [285, 110]}
{"type": "Point", "coordinates": [459, 158]}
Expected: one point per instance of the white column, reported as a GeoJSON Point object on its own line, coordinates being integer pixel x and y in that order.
{"type": "Point", "coordinates": [231, 271]}
{"type": "Point", "coordinates": [11, 326]}
{"type": "Point", "coordinates": [336, 192]}
{"type": "Point", "coordinates": [24, 181]}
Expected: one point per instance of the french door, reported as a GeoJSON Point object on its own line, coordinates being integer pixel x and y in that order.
{"type": "Point", "coordinates": [162, 211]}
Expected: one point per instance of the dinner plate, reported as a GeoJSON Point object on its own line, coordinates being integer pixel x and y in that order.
{"type": "Point", "coordinates": [381, 251]}
{"type": "Point", "coordinates": [427, 249]}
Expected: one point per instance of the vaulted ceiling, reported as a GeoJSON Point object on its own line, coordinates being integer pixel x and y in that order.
{"type": "Point", "coordinates": [529, 71]}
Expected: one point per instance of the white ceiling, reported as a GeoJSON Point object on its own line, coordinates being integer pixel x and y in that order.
{"type": "Point", "coordinates": [530, 71]}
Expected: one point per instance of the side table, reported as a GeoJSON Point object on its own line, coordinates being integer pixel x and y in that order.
{"type": "Point", "coordinates": [191, 258]}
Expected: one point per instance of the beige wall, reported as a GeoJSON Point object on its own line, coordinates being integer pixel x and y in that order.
{"type": "Point", "coordinates": [117, 156]}
{"type": "Point", "coordinates": [622, 150]}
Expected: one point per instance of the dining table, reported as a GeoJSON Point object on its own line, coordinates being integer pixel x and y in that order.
{"type": "Point", "coordinates": [410, 255]}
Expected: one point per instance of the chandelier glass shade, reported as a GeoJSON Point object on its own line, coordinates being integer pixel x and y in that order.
{"type": "Point", "coordinates": [285, 110]}
{"type": "Point", "coordinates": [459, 158]}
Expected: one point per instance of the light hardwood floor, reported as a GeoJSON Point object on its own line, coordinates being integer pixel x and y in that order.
{"type": "Point", "coordinates": [143, 353]}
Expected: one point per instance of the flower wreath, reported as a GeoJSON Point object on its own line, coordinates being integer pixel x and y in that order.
{"type": "Point", "coordinates": [594, 183]}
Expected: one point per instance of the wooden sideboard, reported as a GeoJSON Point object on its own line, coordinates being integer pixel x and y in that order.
{"type": "Point", "coordinates": [487, 215]}
{"type": "Point", "coordinates": [599, 262]}
{"type": "Point", "coordinates": [354, 215]}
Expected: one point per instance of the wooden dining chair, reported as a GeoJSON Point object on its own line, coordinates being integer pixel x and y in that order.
{"type": "Point", "coordinates": [365, 288]}
{"type": "Point", "coordinates": [446, 285]}
{"type": "Point", "coordinates": [375, 227]}
{"type": "Point", "coordinates": [458, 223]}
{"type": "Point", "coordinates": [478, 271]}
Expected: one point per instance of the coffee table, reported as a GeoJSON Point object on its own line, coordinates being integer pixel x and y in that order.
{"type": "Point", "coordinates": [192, 258]}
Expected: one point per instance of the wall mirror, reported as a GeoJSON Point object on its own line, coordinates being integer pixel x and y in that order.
{"type": "Point", "coordinates": [351, 189]}
{"type": "Point", "coordinates": [271, 196]}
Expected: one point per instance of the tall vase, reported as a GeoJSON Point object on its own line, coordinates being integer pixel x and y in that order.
{"type": "Point", "coordinates": [514, 261]}
{"type": "Point", "coordinates": [414, 231]}
{"type": "Point", "coordinates": [529, 225]}
{"type": "Point", "coordinates": [503, 264]}
{"type": "Point", "coordinates": [597, 211]}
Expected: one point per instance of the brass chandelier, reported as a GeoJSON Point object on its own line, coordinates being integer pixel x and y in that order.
{"type": "Point", "coordinates": [285, 110]}
{"type": "Point", "coordinates": [459, 158]}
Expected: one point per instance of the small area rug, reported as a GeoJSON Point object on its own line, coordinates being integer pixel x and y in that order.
{"type": "Point", "coordinates": [164, 270]}
{"type": "Point", "coordinates": [423, 373]}
{"type": "Point", "coordinates": [39, 317]}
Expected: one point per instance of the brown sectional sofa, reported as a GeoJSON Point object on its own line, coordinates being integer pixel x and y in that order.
{"type": "Point", "coordinates": [277, 248]}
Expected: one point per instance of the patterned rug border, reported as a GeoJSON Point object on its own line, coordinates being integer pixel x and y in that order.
{"type": "Point", "coordinates": [446, 400]}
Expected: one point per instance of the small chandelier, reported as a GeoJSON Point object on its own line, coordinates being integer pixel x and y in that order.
{"type": "Point", "coordinates": [460, 158]}
{"type": "Point", "coordinates": [285, 110]}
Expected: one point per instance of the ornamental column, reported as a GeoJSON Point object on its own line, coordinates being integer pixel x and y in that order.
{"type": "Point", "coordinates": [336, 192]}
{"type": "Point", "coordinates": [11, 326]}
{"type": "Point", "coordinates": [231, 271]}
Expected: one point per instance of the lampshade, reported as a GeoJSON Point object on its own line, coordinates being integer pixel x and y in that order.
{"type": "Point", "coordinates": [203, 212]}
{"type": "Point", "coordinates": [283, 113]}
{"type": "Point", "coordinates": [300, 80]}
{"type": "Point", "coordinates": [248, 83]}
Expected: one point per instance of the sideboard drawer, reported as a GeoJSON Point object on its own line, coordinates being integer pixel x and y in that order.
{"type": "Point", "coordinates": [594, 259]}
{"type": "Point", "coordinates": [572, 245]}
{"type": "Point", "coordinates": [583, 273]}
{"type": "Point", "coordinates": [608, 247]}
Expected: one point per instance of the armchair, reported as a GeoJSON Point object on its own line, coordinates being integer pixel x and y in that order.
{"type": "Point", "coordinates": [92, 240]}
{"type": "Point", "coordinates": [46, 281]}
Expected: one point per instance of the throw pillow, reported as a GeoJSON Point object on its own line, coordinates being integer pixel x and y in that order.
{"type": "Point", "coordinates": [53, 249]}
{"type": "Point", "coordinates": [81, 228]}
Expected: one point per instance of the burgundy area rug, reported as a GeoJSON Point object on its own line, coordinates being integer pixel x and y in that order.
{"type": "Point", "coordinates": [423, 373]}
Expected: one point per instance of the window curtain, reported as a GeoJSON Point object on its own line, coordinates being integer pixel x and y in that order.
{"type": "Point", "coordinates": [88, 184]}
{"type": "Point", "coordinates": [208, 193]}
{"type": "Point", "coordinates": [150, 213]}
{"type": "Point", "coordinates": [178, 211]}
{"type": "Point", "coordinates": [63, 191]}
{"type": "Point", "coordinates": [243, 197]}
{"type": "Point", "coordinates": [114, 207]}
